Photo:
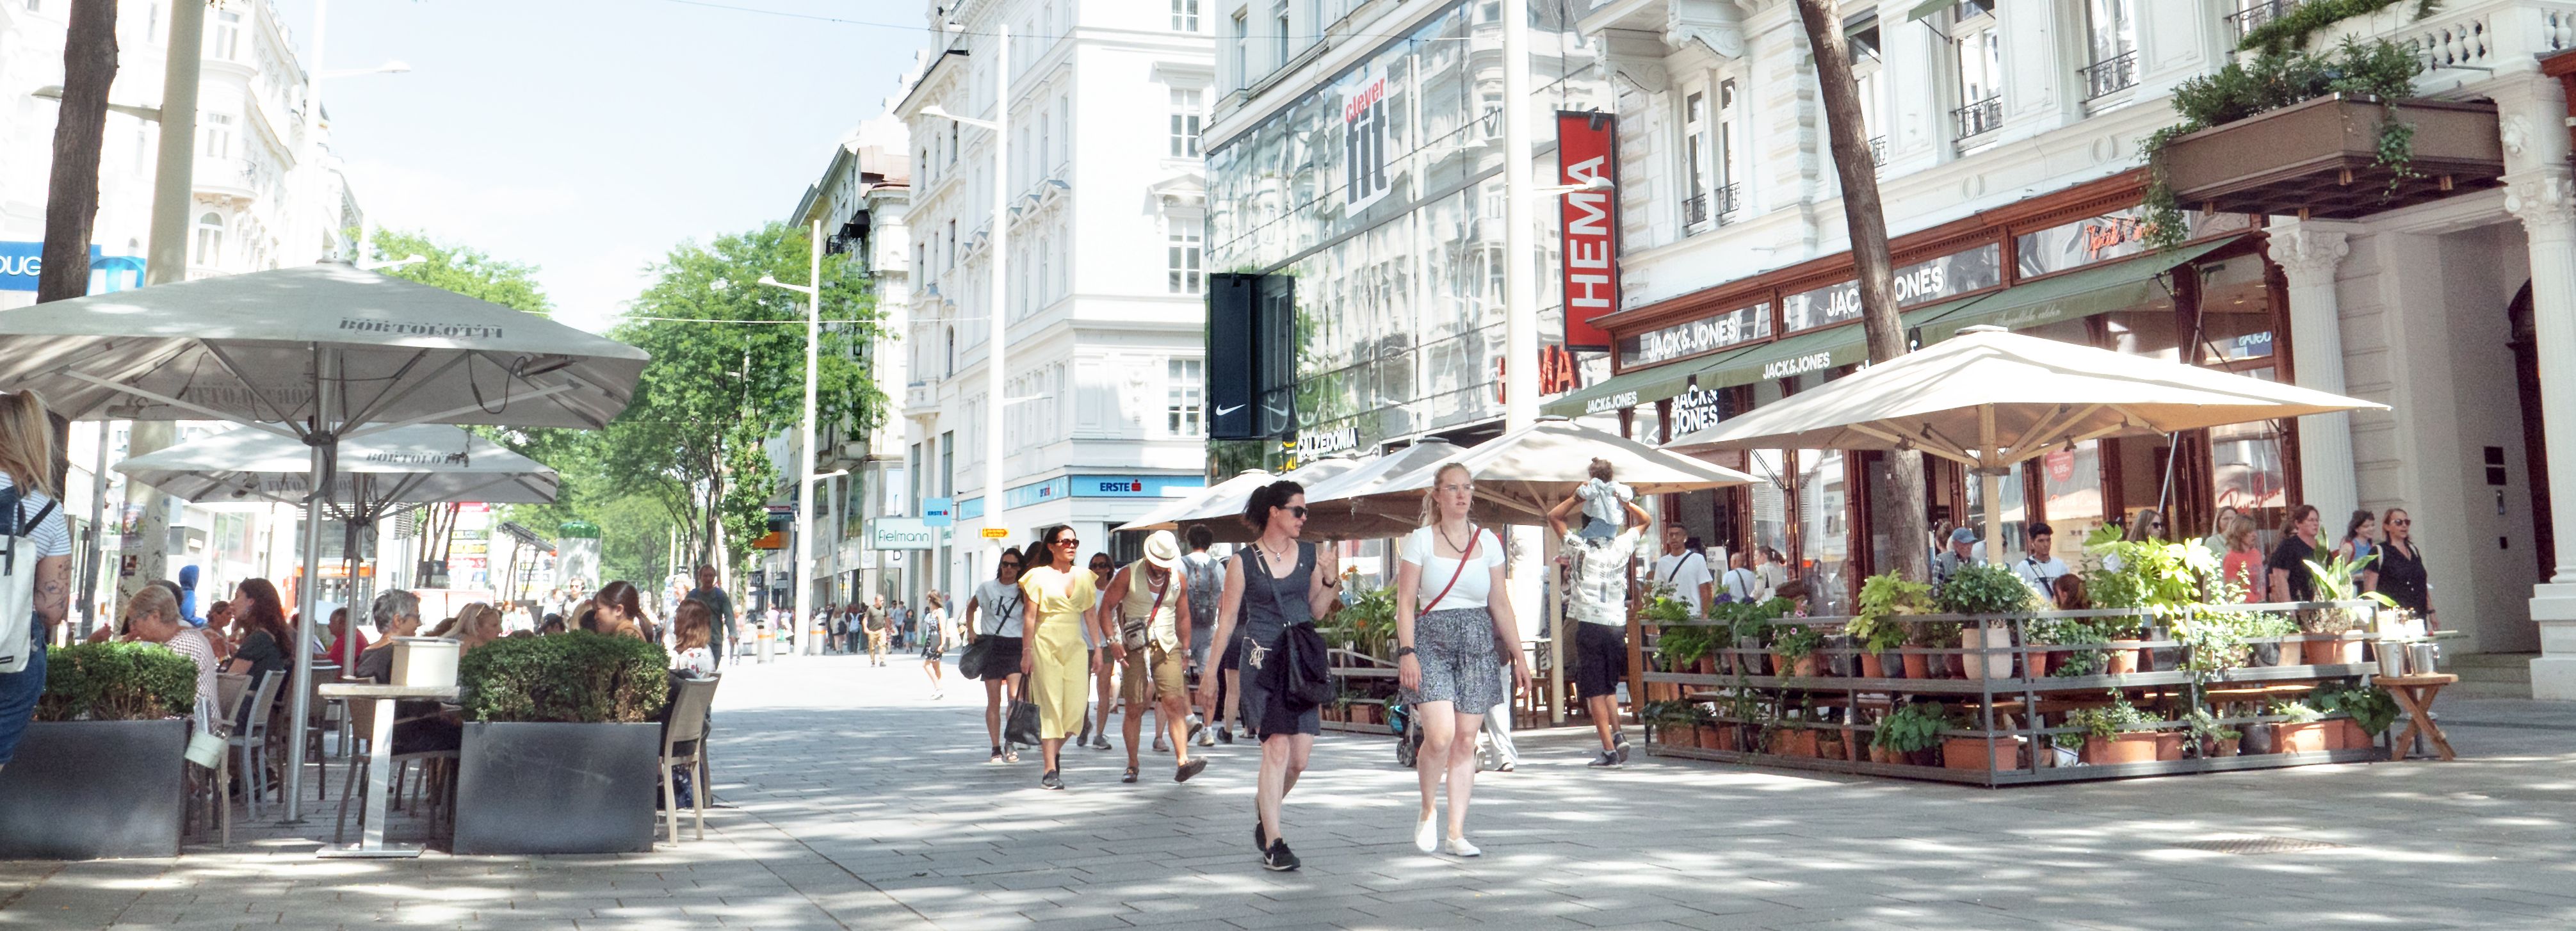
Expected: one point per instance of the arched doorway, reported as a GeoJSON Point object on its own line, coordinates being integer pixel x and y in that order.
{"type": "Point", "coordinates": [2535, 449]}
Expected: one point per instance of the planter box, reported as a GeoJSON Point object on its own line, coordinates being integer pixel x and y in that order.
{"type": "Point", "coordinates": [2308, 737]}
{"type": "Point", "coordinates": [84, 790]}
{"type": "Point", "coordinates": [1971, 753]}
{"type": "Point", "coordinates": [2351, 736]}
{"type": "Point", "coordinates": [2133, 747]}
{"type": "Point", "coordinates": [2314, 159]}
{"type": "Point", "coordinates": [557, 788]}
{"type": "Point", "coordinates": [1716, 737]}
{"type": "Point", "coordinates": [1678, 736]}
{"type": "Point", "coordinates": [1793, 742]}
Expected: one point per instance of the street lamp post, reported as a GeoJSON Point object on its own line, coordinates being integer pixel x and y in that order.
{"type": "Point", "coordinates": [995, 403]}
{"type": "Point", "coordinates": [804, 559]}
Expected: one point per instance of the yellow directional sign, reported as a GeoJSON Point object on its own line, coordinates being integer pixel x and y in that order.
{"type": "Point", "coordinates": [997, 533]}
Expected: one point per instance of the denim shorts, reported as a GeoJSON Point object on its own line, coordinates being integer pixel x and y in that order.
{"type": "Point", "coordinates": [18, 693]}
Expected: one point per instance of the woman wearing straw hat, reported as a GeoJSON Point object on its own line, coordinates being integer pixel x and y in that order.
{"type": "Point", "coordinates": [1146, 626]}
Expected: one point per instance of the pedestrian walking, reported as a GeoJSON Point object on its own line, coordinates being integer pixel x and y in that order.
{"type": "Point", "coordinates": [1599, 600]}
{"type": "Point", "coordinates": [1206, 581]}
{"type": "Point", "coordinates": [1277, 583]}
{"type": "Point", "coordinates": [30, 508]}
{"type": "Point", "coordinates": [2038, 568]}
{"type": "Point", "coordinates": [719, 607]}
{"type": "Point", "coordinates": [994, 612]}
{"type": "Point", "coordinates": [2243, 563]}
{"type": "Point", "coordinates": [1148, 614]}
{"type": "Point", "coordinates": [2401, 569]}
{"type": "Point", "coordinates": [1453, 641]}
{"type": "Point", "coordinates": [874, 622]}
{"type": "Point", "coordinates": [2291, 578]}
{"type": "Point", "coordinates": [1063, 599]}
{"type": "Point", "coordinates": [1684, 569]}
{"type": "Point", "coordinates": [1774, 573]}
{"type": "Point", "coordinates": [2356, 546]}
{"type": "Point", "coordinates": [934, 640]}
{"type": "Point", "coordinates": [899, 624]}
{"type": "Point", "coordinates": [1741, 582]}
{"type": "Point", "coordinates": [1104, 674]}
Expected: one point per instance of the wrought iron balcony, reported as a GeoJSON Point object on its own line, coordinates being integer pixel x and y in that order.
{"type": "Point", "coordinates": [2110, 76]}
{"type": "Point", "coordinates": [2253, 16]}
{"type": "Point", "coordinates": [1979, 118]}
{"type": "Point", "coordinates": [1718, 205]}
{"type": "Point", "coordinates": [1878, 151]}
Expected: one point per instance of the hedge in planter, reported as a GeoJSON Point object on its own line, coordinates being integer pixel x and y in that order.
{"type": "Point", "coordinates": [560, 745]}
{"type": "Point", "coordinates": [102, 772]}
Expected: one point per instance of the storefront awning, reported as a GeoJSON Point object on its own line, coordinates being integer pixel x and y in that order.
{"type": "Point", "coordinates": [1809, 352]}
{"type": "Point", "coordinates": [2071, 296]}
{"type": "Point", "coordinates": [1628, 389]}
{"type": "Point", "coordinates": [1927, 8]}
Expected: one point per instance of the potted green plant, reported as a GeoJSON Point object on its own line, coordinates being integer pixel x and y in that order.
{"type": "Point", "coordinates": [1985, 590]}
{"type": "Point", "coordinates": [1875, 630]}
{"type": "Point", "coordinates": [2368, 711]}
{"type": "Point", "coordinates": [2212, 739]}
{"type": "Point", "coordinates": [2273, 637]}
{"type": "Point", "coordinates": [561, 744]}
{"type": "Point", "coordinates": [1907, 732]}
{"type": "Point", "coordinates": [2115, 733]}
{"type": "Point", "coordinates": [2300, 729]}
{"type": "Point", "coordinates": [1793, 651]}
{"type": "Point", "coordinates": [102, 770]}
{"type": "Point", "coordinates": [2337, 631]}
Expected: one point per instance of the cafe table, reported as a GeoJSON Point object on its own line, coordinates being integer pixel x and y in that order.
{"type": "Point", "coordinates": [380, 753]}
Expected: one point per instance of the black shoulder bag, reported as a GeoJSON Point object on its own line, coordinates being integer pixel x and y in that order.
{"type": "Point", "coordinates": [980, 653]}
{"type": "Point", "coordinates": [1299, 670]}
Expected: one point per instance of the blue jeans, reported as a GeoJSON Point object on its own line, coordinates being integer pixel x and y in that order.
{"type": "Point", "coordinates": [18, 693]}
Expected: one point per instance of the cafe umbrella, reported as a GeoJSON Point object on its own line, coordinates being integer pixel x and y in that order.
{"type": "Point", "coordinates": [315, 355]}
{"type": "Point", "coordinates": [1220, 507]}
{"type": "Point", "coordinates": [378, 474]}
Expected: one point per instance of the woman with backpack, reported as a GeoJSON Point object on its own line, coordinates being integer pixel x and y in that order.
{"type": "Point", "coordinates": [1453, 637]}
{"type": "Point", "coordinates": [32, 517]}
{"type": "Point", "coordinates": [993, 614]}
{"type": "Point", "coordinates": [1272, 586]}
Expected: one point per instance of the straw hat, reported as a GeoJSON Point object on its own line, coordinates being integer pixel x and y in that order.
{"type": "Point", "coordinates": [1163, 550]}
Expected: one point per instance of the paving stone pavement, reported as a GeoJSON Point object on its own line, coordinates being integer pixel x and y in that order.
{"type": "Point", "coordinates": [865, 805]}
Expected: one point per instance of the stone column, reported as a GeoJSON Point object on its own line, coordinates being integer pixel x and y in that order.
{"type": "Point", "coordinates": [2539, 192]}
{"type": "Point", "coordinates": [2308, 257]}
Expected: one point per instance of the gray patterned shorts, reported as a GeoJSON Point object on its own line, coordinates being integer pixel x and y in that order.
{"type": "Point", "coordinates": [1459, 665]}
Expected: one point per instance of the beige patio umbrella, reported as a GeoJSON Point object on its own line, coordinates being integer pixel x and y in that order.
{"type": "Point", "coordinates": [1220, 507]}
{"type": "Point", "coordinates": [1521, 474]}
{"type": "Point", "coordinates": [1166, 516]}
{"type": "Point", "coordinates": [1341, 509]}
{"type": "Point", "coordinates": [1989, 398]}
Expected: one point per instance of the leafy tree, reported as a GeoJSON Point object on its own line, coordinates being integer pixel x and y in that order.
{"type": "Point", "coordinates": [462, 269]}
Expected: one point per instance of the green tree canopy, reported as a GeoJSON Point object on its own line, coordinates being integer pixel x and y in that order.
{"type": "Point", "coordinates": [462, 269]}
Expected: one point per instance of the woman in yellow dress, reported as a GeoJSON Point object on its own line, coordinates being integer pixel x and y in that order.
{"type": "Point", "coordinates": [1062, 598]}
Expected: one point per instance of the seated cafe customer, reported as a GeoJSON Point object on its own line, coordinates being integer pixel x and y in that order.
{"type": "Point", "coordinates": [419, 726]}
{"type": "Point", "coordinates": [152, 616]}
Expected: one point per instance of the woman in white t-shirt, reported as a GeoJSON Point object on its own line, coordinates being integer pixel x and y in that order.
{"type": "Point", "coordinates": [28, 497]}
{"type": "Point", "coordinates": [1450, 649]}
{"type": "Point", "coordinates": [994, 612]}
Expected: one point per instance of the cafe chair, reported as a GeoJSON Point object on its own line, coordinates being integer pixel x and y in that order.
{"type": "Point", "coordinates": [684, 742]}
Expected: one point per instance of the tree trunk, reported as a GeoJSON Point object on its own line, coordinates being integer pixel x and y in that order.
{"type": "Point", "coordinates": [1858, 172]}
{"type": "Point", "coordinates": [71, 196]}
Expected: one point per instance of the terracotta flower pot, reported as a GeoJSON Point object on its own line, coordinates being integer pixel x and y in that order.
{"type": "Point", "coordinates": [1364, 714]}
{"type": "Point", "coordinates": [1794, 742]}
{"type": "Point", "coordinates": [2036, 664]}
{"type": "Point", "coordinates": [1871, 667]}
{"type": "Point", "coordinates": [2168, 745]}
{"type": "Point", "coordinates": [1953, 666]}
{"type": "Point", "coordinates": [2292, 652]}
{"type": "Point", "coordinates": [2226, 747]}
{"type": "Point", "coordinates": [1917, 666]}
{"type": "Point", "coordinates": [1681, 736]}
{"type": "Point", "coordinates": [2354, 738]}
{"type": "Point", "coordinates": [1972, 753]}
{"type": "Point", "coordinates": [1715, 737]}
{"type": "Point", "coordinates": [2133, 747]}
{"type": "Point", "coordinates": [1808, 666]}
{"type": "Point", "coordinates": [2122, 658]}
{"type": "Point", "coordinates": [2306, 737]}
{"type": "Point", "coordinates": [1879, 754]}
{"type": "Point", "coordinates": [1708, 665]}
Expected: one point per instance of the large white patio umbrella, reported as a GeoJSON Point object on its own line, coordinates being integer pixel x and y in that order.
{"type": "Point", "coordinates": [1989, 398]}
{"type": "Point", "coordinates": [1167, 515]}
{"type": "Point", "coordinates": [1220, 507]}
{"type": "Point", "coordinates": [1341, 508]}
{"type": "Point", "coordinates": [379, 473]}
{"type": "Point", "coordinates": [1522, 474]}
{"type": "Point", "coordinates": [316, 355]}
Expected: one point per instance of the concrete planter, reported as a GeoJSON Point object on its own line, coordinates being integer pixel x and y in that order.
{"type": "Point", "coordinates": [557, 788]}
{"type": "Point", "coordinates": [83, 790]}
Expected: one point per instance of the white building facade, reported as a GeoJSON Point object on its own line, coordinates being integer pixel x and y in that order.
{"type": "Point", "coordinates": [2008, 134]}
{"type": "Point", "coordinates": [1106, 199]}
{"type": "Point", "coordinates": [268, 194]}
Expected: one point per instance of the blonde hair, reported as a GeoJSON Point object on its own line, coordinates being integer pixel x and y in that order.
{"type": "Point", "coordinates": [469, 622]}
{"type": "Point", "coordinates": [1431, 498]}
{"type": "Point", "coordinates": [27, 443]}
{"type": "Point", "coordinates": [2240, 533]}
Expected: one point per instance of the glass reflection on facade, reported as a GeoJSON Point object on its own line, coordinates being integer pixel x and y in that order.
{"type": "Point", "coordinates": [1400, 291]}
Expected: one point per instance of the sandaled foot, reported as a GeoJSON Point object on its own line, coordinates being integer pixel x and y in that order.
{"type": "Point", "coordinates": [1131, 775]}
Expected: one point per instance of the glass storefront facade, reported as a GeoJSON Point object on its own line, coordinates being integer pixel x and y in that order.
{"type": "Point", "coordinates": [1380, 193]}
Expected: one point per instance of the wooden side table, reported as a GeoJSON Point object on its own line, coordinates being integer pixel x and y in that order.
{"type": "Point", "coordinates": [380, 755]}
{"type": "Point", "coordinates": [2415, 695]}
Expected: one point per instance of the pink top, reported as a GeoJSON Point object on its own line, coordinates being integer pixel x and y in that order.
{"type": "Point", "coordinates": [2239, 567]}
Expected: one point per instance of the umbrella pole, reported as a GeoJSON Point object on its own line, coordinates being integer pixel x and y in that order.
{"type": "Point", "coordinates": [302, 703]}
{"type": "Point", "coordinates": [1990, 478]}
{"type": "Point", "coordinates": [1552, 610]}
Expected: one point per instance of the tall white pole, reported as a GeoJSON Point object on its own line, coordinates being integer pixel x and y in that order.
{"type": "Point", "coordinates": [1520, 307]}
{"type": "Point", "coordinates": [805, 502]}
{"type": "Point", "coordinates": [993, 389]}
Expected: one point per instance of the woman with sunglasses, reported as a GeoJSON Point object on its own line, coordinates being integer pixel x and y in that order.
{"type": "Point", "coordinates": [2401, 568]}
{"type": "Point", "coordinates": [1063, 600]}
{"type": "Point", "coordinates": [998, 601]}
{"type": "Point", "coordinates": [1270, 586]}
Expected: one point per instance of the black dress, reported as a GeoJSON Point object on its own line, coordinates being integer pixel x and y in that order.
{"type": "Point", "coordinates": [2401, 577]}
{"type": "Point", "coordinates": [1270, 607]}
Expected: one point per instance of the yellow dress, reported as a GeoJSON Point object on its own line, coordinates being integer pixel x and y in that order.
{"type": "Point", "coordinates": [1062, 670]}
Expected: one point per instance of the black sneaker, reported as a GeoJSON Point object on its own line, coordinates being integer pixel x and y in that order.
{"type": "Point", "coordinates": [1277, 859]}
{"type": "Point", "coordinates": [1224, 735]}
{"type": "Point", "coordinates": [1051, 780]}
{"type": "Point", "coordinates": [1607, 760]}
{"type": "Point", "coordinates": [1619, 744]}
{"type": "Point", "coordinates": [1260, 839]}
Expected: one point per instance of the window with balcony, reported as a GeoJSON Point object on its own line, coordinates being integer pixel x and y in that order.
{"type": "Point", "coordinates": [210, 240]}
{"type": "Point", "coordinates": [1185, 15]}
{"type": "Point", "coordinates": [225, 41]}
{"type": "Point", "coordinates": [2252, 14]}
{"type": "Point", "coordinates": [1708, 151]}
{"type": "Point", "coordinates": [2113, 25]}
{"type": "Point", "coordinates": [1866, 63]}
{"type": "Point", "coordinates": [1186, 111]}
{"type": "Point", "coordinates": [217, 140]}
{"type": "Point", "coordinates": [1181, 411]}
{"type": "Point", "coordinates": [1182, 258]}
{"type": "Point", "coordinates": [1976, 38]}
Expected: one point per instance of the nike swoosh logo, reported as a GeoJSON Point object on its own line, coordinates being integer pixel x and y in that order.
{"type": "Point", "coordinates": [1222, 411]}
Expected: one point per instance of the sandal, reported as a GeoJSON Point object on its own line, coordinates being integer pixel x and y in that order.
{"type": "Point", "coordinates": [1011, 755]}
{"type": "Point", "coordinates": [1131, 775]}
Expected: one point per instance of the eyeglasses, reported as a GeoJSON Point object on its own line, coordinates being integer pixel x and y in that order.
{"type": "Point", "coordinates": [1463, 488]}
{"type": "Point", "coordinates": [1297, 511]}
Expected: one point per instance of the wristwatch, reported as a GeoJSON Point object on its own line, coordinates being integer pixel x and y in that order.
{"type": "Point", "coordinates": [1402, 652]}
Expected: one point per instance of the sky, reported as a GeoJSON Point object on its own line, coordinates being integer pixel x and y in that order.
{"type": "Point", "coordinates": [589, 137]}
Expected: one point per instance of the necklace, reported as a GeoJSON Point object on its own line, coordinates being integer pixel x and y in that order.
{"type": "Point", "coordinates": [1266, 550]}
{"type": "Point", "coordinates": [1460, 548]}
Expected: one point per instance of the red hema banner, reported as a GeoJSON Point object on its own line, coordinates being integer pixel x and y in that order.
{"type": "Point", "coordinates": [1587, 148]}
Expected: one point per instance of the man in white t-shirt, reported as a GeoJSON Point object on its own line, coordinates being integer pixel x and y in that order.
{"type": "Point", "coordinates": [2036, 566]}
{"type": "Point", "coordinates": [1684, 569]}
{"type": "Point", "coordinates": [1741, 582]}
{"type": "Point", "coordinates": [1599, 601]}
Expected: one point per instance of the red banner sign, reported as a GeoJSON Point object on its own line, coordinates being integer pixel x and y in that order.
{"type": "Point", "coordinates": [1588, 222]}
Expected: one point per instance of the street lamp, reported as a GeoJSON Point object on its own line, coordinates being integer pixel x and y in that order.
{"type": "Point", "coordinates": [1000, 127]}
{"type": "Point", "coordinates": [804, 553]}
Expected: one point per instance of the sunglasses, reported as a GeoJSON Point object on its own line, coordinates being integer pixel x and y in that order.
{"type": "Point", "coordinates": [1011, 564]}
{"type": "Point", "coordinates": [2401, 522]}
{"type": "Point", "coordinates": [1297, 511]}
{"type": "Point", "coordinates": [1068, 542]}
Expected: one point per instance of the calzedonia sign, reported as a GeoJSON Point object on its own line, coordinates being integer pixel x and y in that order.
{"type": "Point", "coordinates": [1732, 328]}
{"type": "Point", "coordinates": [1588, 221]}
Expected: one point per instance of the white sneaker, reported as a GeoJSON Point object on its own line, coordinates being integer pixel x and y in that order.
{"type": "Point", "coordinates": [1426, 834]}
{"type": "Point", "coordinates": [1207, 737]}
{"type": "Point", "coordinates": [1459, 847]}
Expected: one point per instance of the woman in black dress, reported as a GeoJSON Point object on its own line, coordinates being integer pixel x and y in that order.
{"type": "Point", "coordinates": [1270, 586]}
{"type": "Point", "coordinates": [2401, 568]}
